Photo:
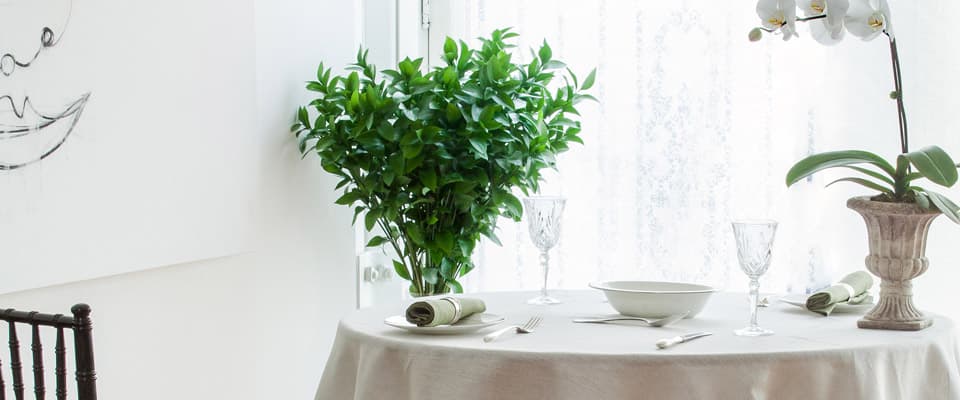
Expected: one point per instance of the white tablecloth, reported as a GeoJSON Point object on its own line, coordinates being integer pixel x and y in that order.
{"type": "Point", "coordinates": [809, 357]}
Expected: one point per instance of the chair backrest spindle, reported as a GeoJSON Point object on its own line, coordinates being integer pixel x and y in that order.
{"type": "Point", "coordinates": [61, 369]}
{"type": "Point", "coordinates": [2, 388]}
{"type": "Point", "coordinates": [38, 389]}
{"type": "Point", "coordinates": [15, 365]}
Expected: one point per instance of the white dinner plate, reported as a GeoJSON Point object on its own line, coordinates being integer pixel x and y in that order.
{"type": "Point", "coordinates": [470, 324]}
{"type": "Point", "coordinates": [800, 300]}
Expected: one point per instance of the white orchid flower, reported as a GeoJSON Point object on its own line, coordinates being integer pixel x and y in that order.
{"type": "Point", "coordinates": [829, 29]}
{"type": "Point", "coordinates": [779, 15]}
{"type": "Point", "coordinates": [867, 19]}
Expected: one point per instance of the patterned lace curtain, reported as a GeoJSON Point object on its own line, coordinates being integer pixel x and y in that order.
{"type": "Point", "coordinates": [697, 126]}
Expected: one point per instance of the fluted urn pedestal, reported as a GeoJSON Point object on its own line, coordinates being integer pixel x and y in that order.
{"type": "Point", "coordinates": [898, 241]}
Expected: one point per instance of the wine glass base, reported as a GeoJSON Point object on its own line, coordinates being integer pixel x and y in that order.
{"type": "Point", "coordinates": [753, 331]}
{"type": "Point", "coordinates": [544, 300]}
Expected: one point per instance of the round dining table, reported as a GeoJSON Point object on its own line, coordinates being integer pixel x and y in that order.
{"type": "Point", "coordinates": [808, 357]}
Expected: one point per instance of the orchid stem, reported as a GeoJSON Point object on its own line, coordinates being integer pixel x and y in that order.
{"type": "Point", "coordinates": [805, 19]}
{"type": "Point", "coordinates": [898, 85]}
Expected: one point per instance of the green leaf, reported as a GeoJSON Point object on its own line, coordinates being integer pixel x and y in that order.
{"type": "Point", "coordinates": [431, 275]}
{"type": "Point", "coordinates": [934, 164]}
{"type": "Point", "coordinates": [865, 182]}
{"type": "Point", "coordinates": [370, 220]}
{"type": "Point", "coordinates": [588, 83]}
{"type": "Point", "coordinates": [510, 202]}
{"type": "Point", "coordinates": [466, 267]}
{"type": "Point", "coordinates": [947, 207]}
{"type": "Point", "coordinates": [415, 235]}
{"type": "Point", "coordinates": [818, 162]}
{"type": "Point", "coordinates": [407, 68]}
{"type": "Point", "coordinates": [923, 200]}
{"type": "Point", "coordinates": [444, 242]}
{"type": "Point", "coordinates": [401, 270]}
{"type": "Point", "coordinates": [356, 213]}
{"type": "Point", "coordinates": [466, 247]}
{"type": "Point", "coordinates": [457, 288]}
{"type": "Point", "coordinates": [320, 71]}
{"type": "Point", "coordinates": [493, 237]}
{"type": "Point", "coordinates": [412, 150]}
{"type": "Point", "coordinates": [448, 269]}
{"type": "Point", "coordinates": [348, 198]}
{"type": "Point", "coordinates": [452, 112]}
{"type": "Point", "coordinates": [303, 117]}
{"type": "Point", "coordinates": [554, 64]}
{"type": "Point", "coordinates": [883, 178]}
{"type": "Point", "coordinates": [545, 53]}
{"type": "Point", "coordinates": [479, 147]}
{"type": "Point", "coordinates": [449, 46]}
{"type": "Point", "coordinates": [429, 178]}
{"type": "Point", "coordinates": [353, 82]}
{"type": "Point", "coordinates": [376, 241]}
{"type": "Point", "coordinates": [396, 163]}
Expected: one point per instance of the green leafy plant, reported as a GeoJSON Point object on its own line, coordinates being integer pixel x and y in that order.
{"type": "Point", "coordinates": [433, 158]}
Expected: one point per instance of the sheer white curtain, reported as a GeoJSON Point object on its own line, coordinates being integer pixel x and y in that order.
{"type": "Point", "coordinates": [697, 126]}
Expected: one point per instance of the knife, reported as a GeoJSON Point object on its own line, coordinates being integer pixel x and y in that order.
{"type": "Point", "coordinates": [664, 343]}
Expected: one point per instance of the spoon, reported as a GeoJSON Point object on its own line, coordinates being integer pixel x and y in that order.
{"type": "Point", "coordinates": [656, 323]}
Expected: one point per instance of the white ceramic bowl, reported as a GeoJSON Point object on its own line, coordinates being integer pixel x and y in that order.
{"type": "Point", "coordinates": [655, 299]}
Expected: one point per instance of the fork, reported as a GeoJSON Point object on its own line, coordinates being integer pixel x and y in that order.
{"type": "Point", "coordinates": [525, 328]}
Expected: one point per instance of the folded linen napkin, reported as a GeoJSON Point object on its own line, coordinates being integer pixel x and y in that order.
{"type": "Point", "coordinates": [443, 311]}
{"type": "Point", "coordinates": [851, 289]}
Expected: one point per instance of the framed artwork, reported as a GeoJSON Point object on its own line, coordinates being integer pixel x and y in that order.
{"type": "Point", "coordinates": [127, 136]}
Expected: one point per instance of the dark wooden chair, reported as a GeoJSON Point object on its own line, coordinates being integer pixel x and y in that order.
{"type": "Point", "coordinates": [83, 349]}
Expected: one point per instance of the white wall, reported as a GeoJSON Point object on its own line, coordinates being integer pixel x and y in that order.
{"type": "Point", "coordinates": [170, 114]}
{"type": "Point", "coordinates": [256, 325]}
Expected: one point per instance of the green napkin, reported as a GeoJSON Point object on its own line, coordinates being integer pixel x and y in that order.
{"type": "Point", "coordinates": [442, 311]}
{"type": "Point", "coordinates": [824, 301]}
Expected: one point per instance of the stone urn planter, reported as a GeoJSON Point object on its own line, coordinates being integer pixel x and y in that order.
{"type": "Point", "coordinates": [898, 239]}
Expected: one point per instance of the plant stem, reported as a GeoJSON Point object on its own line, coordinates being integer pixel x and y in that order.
{"type": "Point", "coordinates": [898, 86]}
{"type": "Point", "coordinates": [805, 19]}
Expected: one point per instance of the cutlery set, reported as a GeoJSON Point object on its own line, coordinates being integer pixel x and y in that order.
{"type": "Point", "coordinates": [531, 325]}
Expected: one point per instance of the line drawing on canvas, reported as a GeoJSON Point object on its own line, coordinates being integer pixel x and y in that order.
{"type": "Point", "coordinates": [27, 134]}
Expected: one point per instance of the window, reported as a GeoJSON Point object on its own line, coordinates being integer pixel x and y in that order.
{"type": "Point", "coordinates": [696, 126]}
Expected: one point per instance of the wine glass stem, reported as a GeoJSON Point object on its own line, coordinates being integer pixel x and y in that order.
{"type": "Point", "coordinates": [754, 300]}
{"type": "Point", "coordinates": [545, 264]}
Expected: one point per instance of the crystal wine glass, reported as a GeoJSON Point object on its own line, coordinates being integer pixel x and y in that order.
{"type": "Point", "coordinates": [543, 219]}
{"type": "Point", "coordinates": [754, 246]}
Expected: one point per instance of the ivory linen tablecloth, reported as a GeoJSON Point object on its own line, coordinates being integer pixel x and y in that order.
{"type": "Point", "coordinates": [809, 357]}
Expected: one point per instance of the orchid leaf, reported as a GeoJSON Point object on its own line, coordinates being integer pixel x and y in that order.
{"type": "Point", "coordinates": [864, 182]}
{"type": "Point", "coordinates": [883, 178]}
{"type": "Point", "coordinates": [923, 200]}
{"type": "Point", "coordinates": [945, 205]}
{"type": "Point", "coordinates": [818, 162]}
{"type": "Point", "coordinates": [934, 164]}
